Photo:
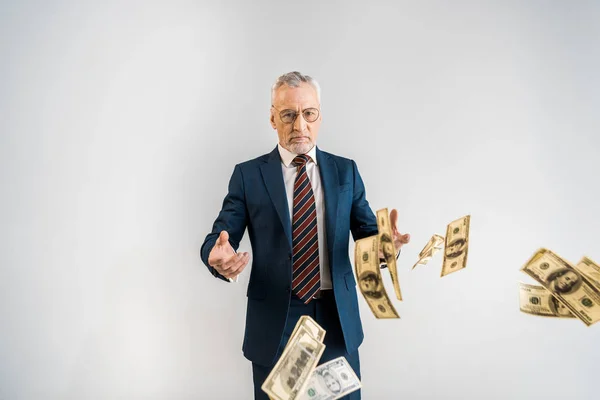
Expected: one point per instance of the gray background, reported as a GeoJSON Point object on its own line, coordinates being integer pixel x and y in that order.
{"type": "Point", "coordinates": [120, 126]}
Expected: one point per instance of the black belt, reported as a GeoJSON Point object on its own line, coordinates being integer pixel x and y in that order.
{"type": "Point", "coordinates": [323, 293]}
{"type": "Point", "coordinates": [320, 294]}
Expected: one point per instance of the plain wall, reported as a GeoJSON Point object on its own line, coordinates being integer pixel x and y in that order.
{"type": "Point", "coordinates": [120, 126]}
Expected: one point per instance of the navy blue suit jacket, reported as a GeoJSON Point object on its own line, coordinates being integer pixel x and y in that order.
{"type": "Point", "coordinates": [257, 200]}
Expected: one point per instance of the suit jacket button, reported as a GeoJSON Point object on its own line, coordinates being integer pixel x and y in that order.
{"type": "Point", "coordinates": [289, 256]}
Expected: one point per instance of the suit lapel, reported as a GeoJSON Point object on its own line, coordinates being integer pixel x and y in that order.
{"type": "Point", "coordinates": [330, 182]}
{"type": "Point", "coordinates": [273, 178]}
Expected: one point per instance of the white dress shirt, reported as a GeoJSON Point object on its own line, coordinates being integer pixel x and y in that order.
{"type": "Point", "coordinates": [289, 177]}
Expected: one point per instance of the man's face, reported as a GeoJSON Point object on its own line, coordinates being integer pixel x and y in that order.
{"type": "Point", "coordinates": [300, 136]}
{"type": "Point", "coordinates": [332, 383]}
{"type": "Point", "coordinates": [566, 281]}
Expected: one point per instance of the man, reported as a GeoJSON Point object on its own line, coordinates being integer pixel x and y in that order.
{"type": "Point", "coordinates": [299, 205]}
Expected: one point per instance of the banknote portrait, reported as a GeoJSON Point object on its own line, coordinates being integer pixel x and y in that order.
{"type": "Point", "coordinates": [387, 247]}
{"type": "Point", "coordinates": [370, 285]}
{"type": "Point", "coordinates": [292, 369]}
{"type": "Point", "coordinates": [456, 248]}
{"type": "Point", "coordinates": [330, 381]}
{"type": "Point", "coordinates": [564, 281]}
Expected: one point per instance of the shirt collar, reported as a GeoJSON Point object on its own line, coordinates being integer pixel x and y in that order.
{"type": "Point", "coordinates": [287, 156]}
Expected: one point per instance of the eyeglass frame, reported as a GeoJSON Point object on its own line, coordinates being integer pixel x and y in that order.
{"type": "Point", "coordinates": [294, 121]}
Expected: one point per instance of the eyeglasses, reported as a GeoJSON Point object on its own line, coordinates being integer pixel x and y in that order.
{"type": "Point", "coordinates": [289, 116]}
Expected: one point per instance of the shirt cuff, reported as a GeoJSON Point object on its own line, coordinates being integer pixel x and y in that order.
{"type": "Point", "coordinates": [383, 264]}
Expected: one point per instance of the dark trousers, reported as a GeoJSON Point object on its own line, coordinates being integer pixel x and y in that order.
{"type": "Point", "coordinates": [323, 311]}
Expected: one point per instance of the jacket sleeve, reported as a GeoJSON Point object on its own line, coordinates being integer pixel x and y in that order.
{"type": "Point", "coordinates": [232, 218]}
{"type": "Point", "coordinates": [363, 222]}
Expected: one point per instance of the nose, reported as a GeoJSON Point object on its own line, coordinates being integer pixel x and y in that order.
{"type": "Point", "coordinates": [300, 123]}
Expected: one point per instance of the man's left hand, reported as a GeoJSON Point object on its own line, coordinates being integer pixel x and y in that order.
{"type": "Point", "coordinates": [399, 239]}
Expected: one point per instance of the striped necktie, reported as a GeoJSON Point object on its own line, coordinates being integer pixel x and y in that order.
{"type": "Point", "coordinates": [306, 275]}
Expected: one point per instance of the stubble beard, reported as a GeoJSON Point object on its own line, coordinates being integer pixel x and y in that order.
{"type": "Point", "coordinates": [301, 148]}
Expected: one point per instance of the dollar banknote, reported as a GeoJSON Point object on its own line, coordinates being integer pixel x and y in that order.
{"type": "Point", "coordinates": [331, 380]}
{"type": "Point", "coordinates": [289, 376]}
{"type": "Point", "coordinates": [386, 244]}
{"type": "Point", "coordinates": [590, 269]}
{"type": "Point", "coordinates": [432, 247]}
{"type": "Point", "coordinates": [566, 284]}
{"type": "Point", "coordinates": [311, 326]}
{"type": "Point", "coordinates": [370, 282]}
{"type": "Point", "coordinates": [536, 300]}
{"type": "Point", "coordinates": [456, 246]}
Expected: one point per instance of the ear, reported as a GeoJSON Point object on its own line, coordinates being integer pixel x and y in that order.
{"type": "Point", "coordinates": [272, 119]}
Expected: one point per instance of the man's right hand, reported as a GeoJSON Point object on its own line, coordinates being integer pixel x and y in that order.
{"type": "Point", "coordinates": [224, 259]}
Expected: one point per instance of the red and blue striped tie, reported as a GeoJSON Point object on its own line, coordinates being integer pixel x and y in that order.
{"type": "Point", "coordinates": [306, 276]}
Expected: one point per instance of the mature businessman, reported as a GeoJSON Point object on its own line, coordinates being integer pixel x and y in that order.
{"type": "Point", "coordinates": [299, 205]}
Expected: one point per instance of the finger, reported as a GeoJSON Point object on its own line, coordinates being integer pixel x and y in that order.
{"type": "Point", "coordinates": [221, 259]}
{"type": "Point", "coordinates": [237, 262]}
{"type": "Point", "coordinates": [240, 265]}
{"type": "Point", "coordinates": [232, 262]}
{"type": "Point", "coordinates": [223, 238]}
{"type": "Point", "coordinates": [394, 219]}
{"type": "Point", "coordinates": [228, 264]}
{"type": "Point", "coordinates": [405, 238]}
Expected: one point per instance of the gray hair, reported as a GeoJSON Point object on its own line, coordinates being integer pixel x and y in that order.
{"type": "Point", "coordinates": [294, 79]}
